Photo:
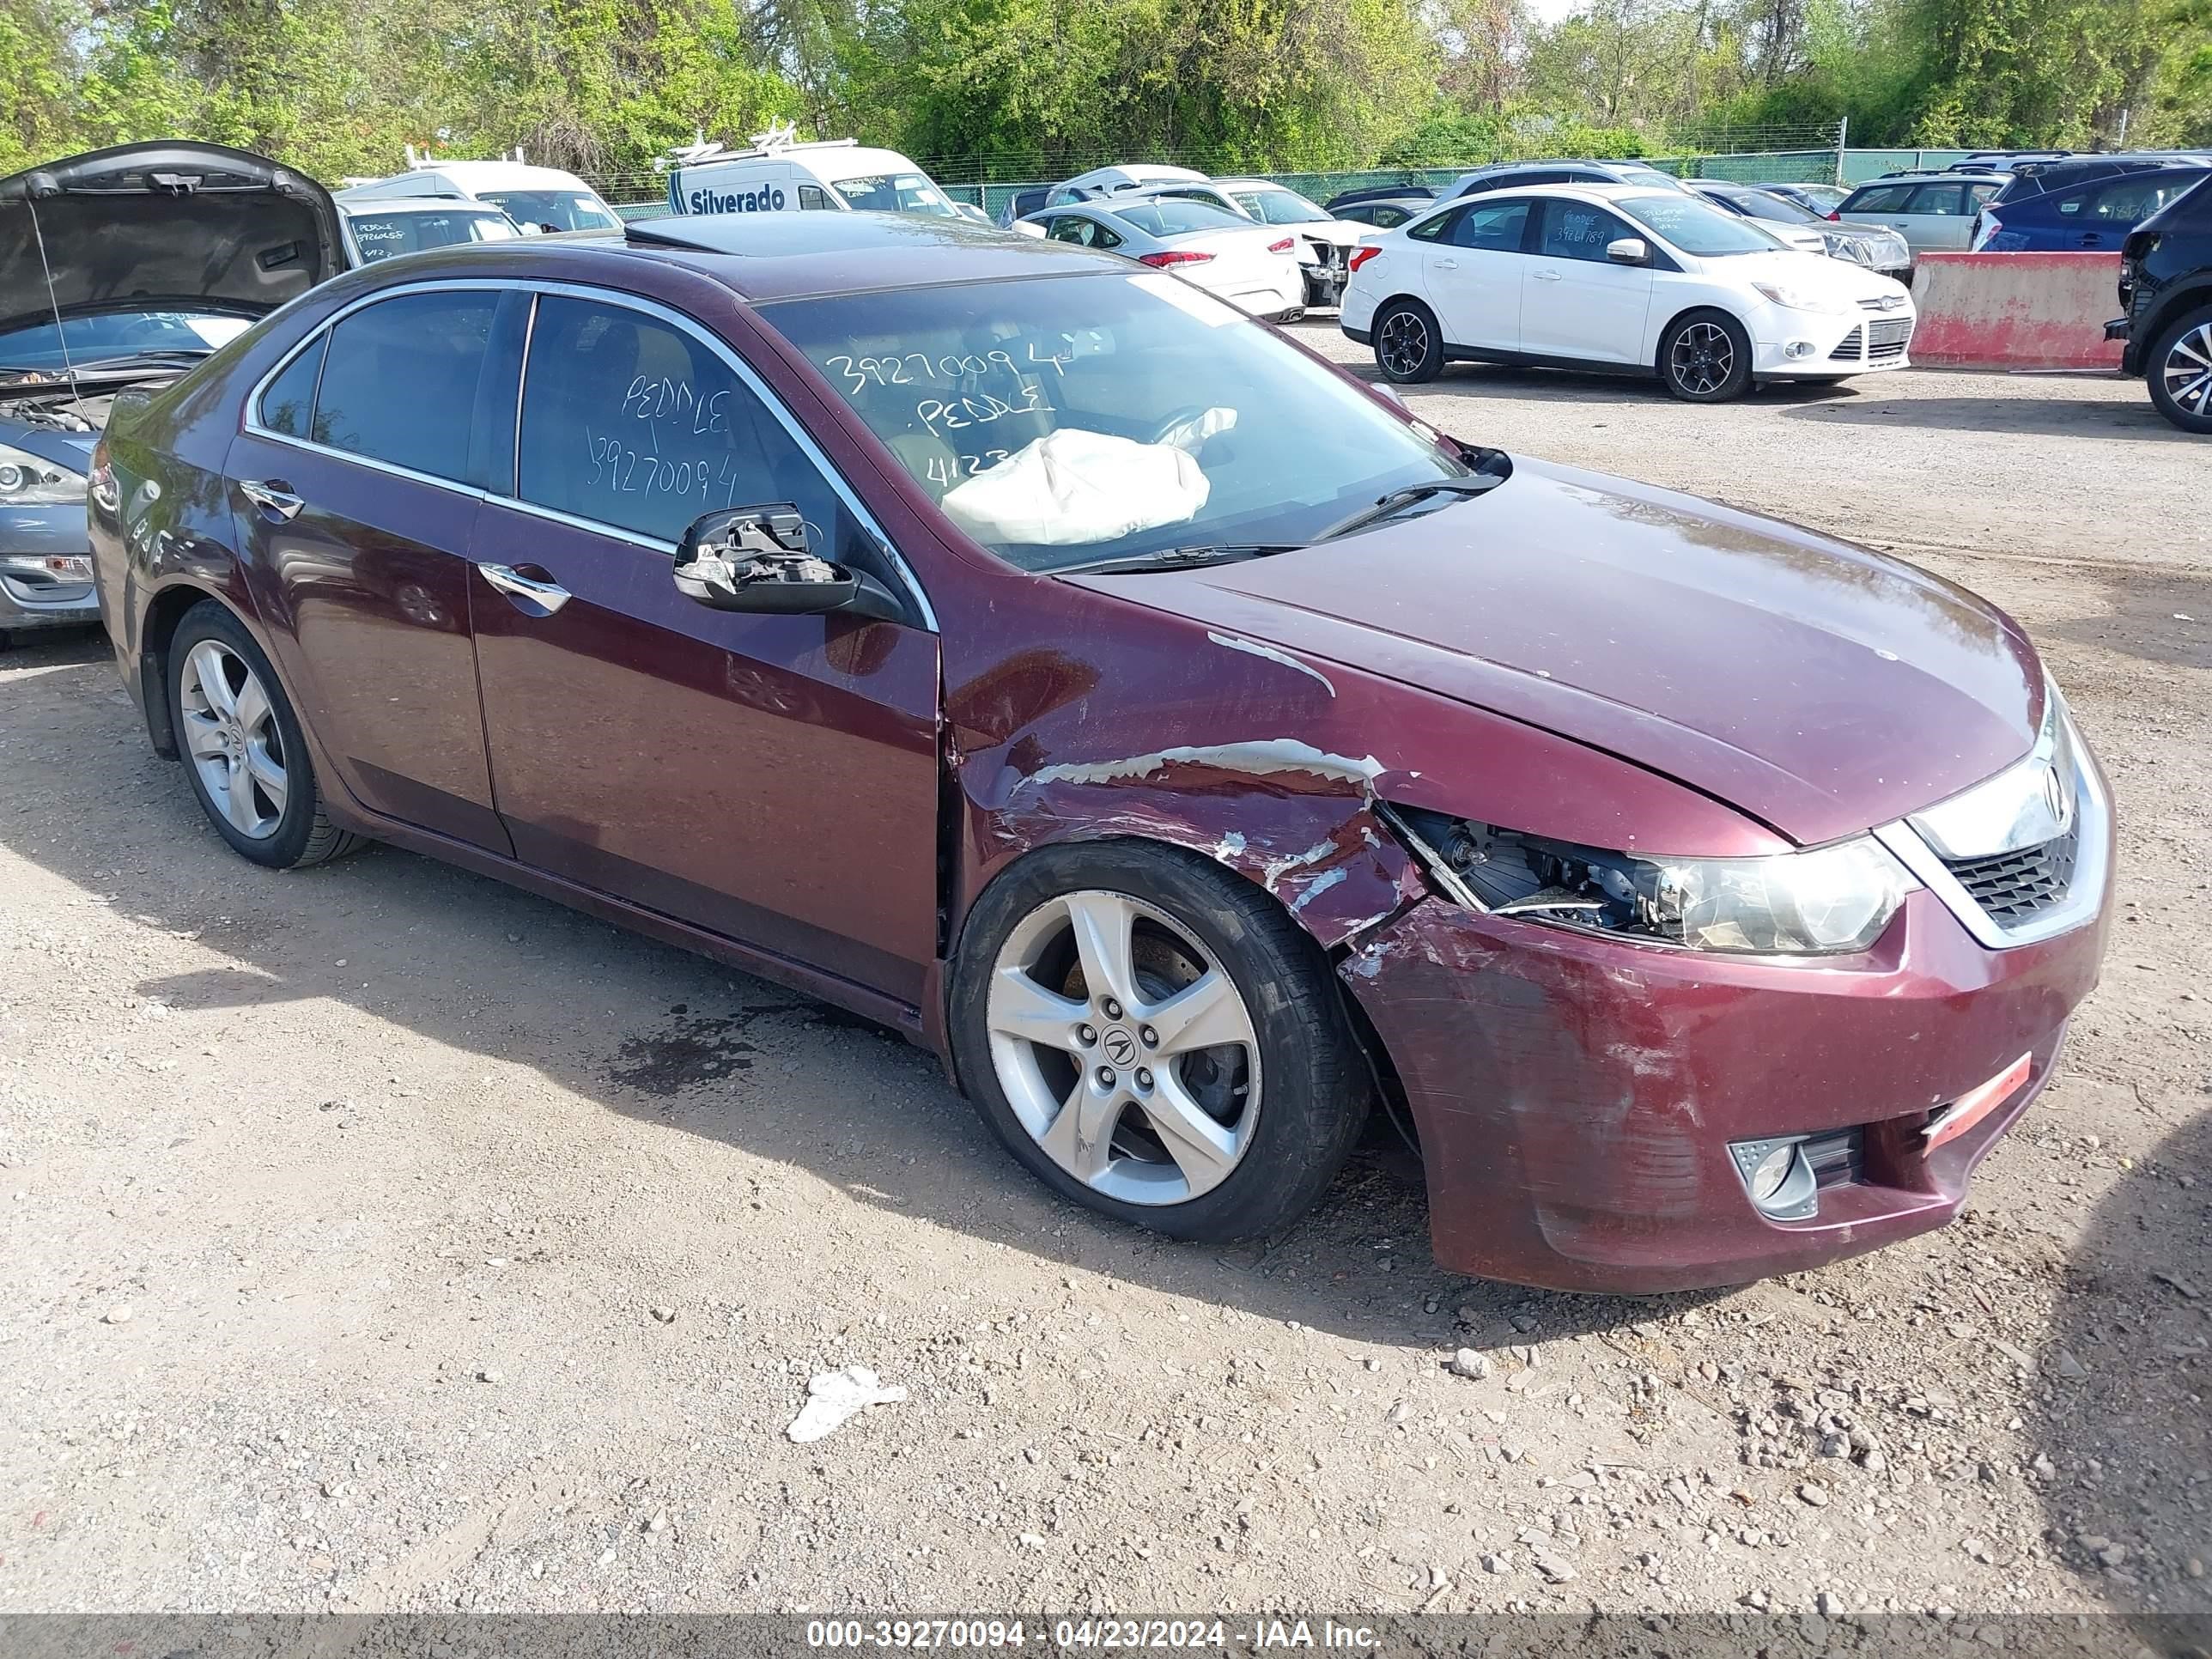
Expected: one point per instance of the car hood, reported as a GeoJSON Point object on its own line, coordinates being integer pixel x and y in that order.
{"type": "Point", "coordinates": [144, 223]}
{"type": "Point", "coordinates": [1836, 282]}
{"type": "Point", "coordinates": [1818, 687]}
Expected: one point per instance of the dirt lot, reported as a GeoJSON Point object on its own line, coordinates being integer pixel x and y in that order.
{"type": "Point", "coordinates": [379, 1238]}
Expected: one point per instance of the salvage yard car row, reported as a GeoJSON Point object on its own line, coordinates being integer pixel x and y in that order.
{"type": "Point", "coordinates": [1222, 768]}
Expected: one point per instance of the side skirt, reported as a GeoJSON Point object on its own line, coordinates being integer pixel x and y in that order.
{"type": "Point", "coordinates": [901, 1017]}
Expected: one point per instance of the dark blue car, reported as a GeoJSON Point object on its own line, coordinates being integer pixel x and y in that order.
{"type": "Point", "coordinates": [119, 269]}
{"type": "Point", "coordinates": [2095, 217]}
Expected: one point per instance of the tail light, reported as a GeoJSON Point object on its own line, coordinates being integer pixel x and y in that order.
{"type": "Point", "coordinates": [1169, 261]}
{"type": "Point", "coordinates": [1283, 246]}
{"type": "Point", "coordinates": [1360, 255]}
{"type": "Point", "coordinates": [1837, 217]}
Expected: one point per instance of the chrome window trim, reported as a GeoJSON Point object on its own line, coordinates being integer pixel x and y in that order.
{"type": "Point", "coordinates": [653, 309]}
{"type": "Point", "coordinates": [760, 389]}
{"type": "Point", "coordinates": [2092, 853]}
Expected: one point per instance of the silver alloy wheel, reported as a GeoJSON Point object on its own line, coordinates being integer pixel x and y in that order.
{"type": "Point", "coordinates": [231, 734]}
{"type": "Point", "coordinates": [1124, 1048]}
{"type": "Point", "coordinates": [1403, 344]}
{"type": "Point", "coordinates": [1702, 359]}
{"type": "Point", "coordinates": [2187, 371]}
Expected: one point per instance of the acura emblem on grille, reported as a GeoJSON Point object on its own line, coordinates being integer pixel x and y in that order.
{"type": "Point", "coordinates": [2054, 794]}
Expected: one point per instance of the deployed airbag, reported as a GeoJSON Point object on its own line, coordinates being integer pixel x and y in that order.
{"type": "Point", "coordinates": [1074, 487]}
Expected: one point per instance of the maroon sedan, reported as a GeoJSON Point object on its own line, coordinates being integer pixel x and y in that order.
{"type": "Point", "coordinates": [1024, 649]}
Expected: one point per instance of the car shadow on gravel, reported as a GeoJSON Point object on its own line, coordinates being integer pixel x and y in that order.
{"type": "Point", "coordinates": [2153, 616]}
{"type": "Point", "coordinates": [665, 1037]}
{"type": "Point", "coordinates": [2123, 1430]}
{"type": "Point", "coordinates": [2122, 413]}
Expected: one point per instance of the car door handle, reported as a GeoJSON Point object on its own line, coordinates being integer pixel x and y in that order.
{"type": "Point", "coordinates": [273, 496]}
{"type": "Point", "coordinates": [1546, 276]}
{"type": "Point", "coordinates": [550, 596]}
{"type": "Point", "coordinates": [1447, 264]}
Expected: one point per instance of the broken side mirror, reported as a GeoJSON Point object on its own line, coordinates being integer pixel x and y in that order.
{"type": "Point", "coordinates": [758, 559]}
{"type": "Point", "coordinates": [1628, 251]}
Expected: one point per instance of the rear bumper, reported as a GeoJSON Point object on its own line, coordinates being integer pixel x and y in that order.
{"type": "Point", "coordinates": [1577, 1098]}
{"type": "Point", "coordinates": [1359, 335]}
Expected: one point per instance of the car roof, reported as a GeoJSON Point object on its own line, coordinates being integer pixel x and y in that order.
{"type": "Point", "coordinates": [764, 257]}
{"type": "Point", "coordinates": [477, 175]}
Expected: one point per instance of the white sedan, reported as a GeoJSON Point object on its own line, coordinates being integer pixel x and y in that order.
{"type": "Point", "coordinates": [1252, 266]}
{"type": "Point", "coordinates": [1617, 277]}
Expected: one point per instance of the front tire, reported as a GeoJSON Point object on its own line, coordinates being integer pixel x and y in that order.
{"type": "Point", "coordinates": [1156, 1039]}
{"type": "Point", "coordinates": [242, 747]}
{"type": "Point", "coordinates": [1705, 358]}
{"type": "Point", "coordinates": [2179, 371]}
{"type": "Point", "coordinates": [1409, 347]}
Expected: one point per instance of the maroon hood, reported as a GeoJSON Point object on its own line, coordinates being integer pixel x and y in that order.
{"type": "Point", "coordinates": [1818, 687]}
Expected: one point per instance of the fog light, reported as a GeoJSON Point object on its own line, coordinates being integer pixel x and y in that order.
{"type": "Point", "coordinates": [1779, 1178]}
{"type": "Point", "coordinates": [1798, 348]}
{"type": "Point", "coordinates": [50, 567]}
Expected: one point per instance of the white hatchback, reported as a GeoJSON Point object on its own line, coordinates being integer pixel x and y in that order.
{"type": "Point", "coordinates": [1618, 276]}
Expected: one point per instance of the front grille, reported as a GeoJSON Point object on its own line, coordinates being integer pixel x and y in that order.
{"type": "Point", "coordinates": [2015, 888]}
{"type": "Point", "coordinates": [1876, 304]}
{"type": "Point", "coordinates": [1886, 340]}
{"type": "Point", "coordinates": [1852, 349]}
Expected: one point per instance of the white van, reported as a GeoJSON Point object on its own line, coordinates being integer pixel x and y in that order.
{"type": "Point", "coordinates": [545, 197]}
{"type": "Point", "coordinates": [831, 175]}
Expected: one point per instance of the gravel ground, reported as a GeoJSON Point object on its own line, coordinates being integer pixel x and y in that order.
{"type": "Point", "coordinates": [381, 1238]}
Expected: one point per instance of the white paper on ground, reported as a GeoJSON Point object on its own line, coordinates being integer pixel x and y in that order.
{"type": "Point", "coordinates": [835, 1396]}
{"type": "Point", "coordinates": [1074, 487]}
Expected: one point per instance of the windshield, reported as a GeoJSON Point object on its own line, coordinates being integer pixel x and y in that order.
{"type": "Point", "coordinates": [555, 209]}
{"type": "Point", "coordinates": [384, 236]}
{"type": "Point", "coordinates": [1279, 207]}
{"type": "Point", "coordinates": [1172, 216]}
{"type": "Point", "coordinates": [1695, 228]}
{"type": "Point", "coordinates": [1058, 421]}
{"type": "Point", "coordinates": [896, 192]}
{"type": "Point", "coordinates": [117, 334]}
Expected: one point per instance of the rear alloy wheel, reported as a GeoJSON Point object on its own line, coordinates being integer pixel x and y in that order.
{"type": "Point", "coordinates": [1407, 347]}
{"type": "Point", "coordinates": [242, 745]}
{"type": "Point", "coordinates": [1156, 1039]}
{"type": "Point", "coordinates": [2179, 370]}
{"type": "Point", "coordinates": [1705, 358]}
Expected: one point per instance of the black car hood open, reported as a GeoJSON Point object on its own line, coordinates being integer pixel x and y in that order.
{"type": "Point", "coordinates": [181, 222]}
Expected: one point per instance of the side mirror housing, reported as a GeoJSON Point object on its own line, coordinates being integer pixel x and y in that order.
{"type": "Point", "coordinates": [1629, 251]}
{"type": "Point", "coordinates": [755, 560]}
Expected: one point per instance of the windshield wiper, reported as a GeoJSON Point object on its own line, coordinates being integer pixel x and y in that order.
{"type": "Point", "coordinates": [1181, 558]}
{"type": "Point", "coordinates": [1388, 506]}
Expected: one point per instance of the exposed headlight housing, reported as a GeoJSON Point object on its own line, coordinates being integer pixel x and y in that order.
{"type": "Point", "coordinates": [1828, 900]}
{"type": "Point", "coordinates": [29, 480]}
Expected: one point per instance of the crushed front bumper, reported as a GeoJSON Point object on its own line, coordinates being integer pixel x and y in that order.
{"type": "Point", "coordinates": [1579, 1098]}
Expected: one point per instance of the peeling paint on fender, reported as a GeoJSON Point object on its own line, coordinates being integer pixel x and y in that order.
{"type": "Point", "coordinates": [1254, 648]}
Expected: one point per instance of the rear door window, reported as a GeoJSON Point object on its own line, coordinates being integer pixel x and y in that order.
{"type": "Point", "coordinates": [1493, 227]}
{"type": "Point", "coordinates": [288, 403]}
{"type": "Point", "coordinates": [399, 381]}
{"type": "Point", "coordinates": [1941, 201]}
